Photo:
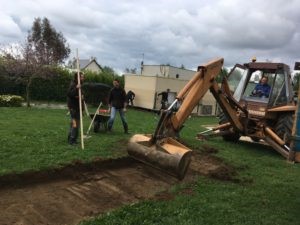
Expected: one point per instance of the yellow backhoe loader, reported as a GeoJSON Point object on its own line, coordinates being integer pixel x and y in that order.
{"type": "Point", "coordinates": [244, 112]}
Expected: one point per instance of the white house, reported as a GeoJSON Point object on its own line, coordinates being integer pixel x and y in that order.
{"type": "Point", "coordinates": [167, 71]}
{"type": "Point", "coordinates": [155, 79]}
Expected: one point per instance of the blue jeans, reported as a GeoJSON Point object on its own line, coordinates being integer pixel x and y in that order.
{"type": "Point", "coordinates": [113, 116]}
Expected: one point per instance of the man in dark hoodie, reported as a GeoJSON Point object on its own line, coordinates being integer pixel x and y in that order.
{"type": "Point", "coordinates": [73, 105]}
{"type": "Point", "coordinates": [164, 99]}
{"type": "Point", "coordinates": [117, 102]}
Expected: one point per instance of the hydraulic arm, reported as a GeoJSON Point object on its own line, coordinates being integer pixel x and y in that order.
{"type": "Point", "coordinates": [161, 149]}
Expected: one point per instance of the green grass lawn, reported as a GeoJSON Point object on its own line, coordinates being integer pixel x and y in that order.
{"type": "Point", "coordinates": [35, 139]}
{"type": "Point", "coordinates": [269, 191]}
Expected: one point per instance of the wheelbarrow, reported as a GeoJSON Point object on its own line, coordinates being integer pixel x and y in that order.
{"type": "Point", "coordinates": [100, 120]}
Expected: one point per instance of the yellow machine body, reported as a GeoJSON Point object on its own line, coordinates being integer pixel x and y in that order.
{"type": "Point", "coordinates": [247, 115]}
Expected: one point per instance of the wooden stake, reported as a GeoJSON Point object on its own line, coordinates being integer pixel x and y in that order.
{"type": "Point", "coordinates": [80, 103]}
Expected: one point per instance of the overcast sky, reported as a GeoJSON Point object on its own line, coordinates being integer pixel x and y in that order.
{"type": "Point", "coordinates": [183, 32]}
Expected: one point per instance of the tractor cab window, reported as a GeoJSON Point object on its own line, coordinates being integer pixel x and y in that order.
{"type": "Point", "coordinates": [236, 80]}
{"type": "Point", "coordinates": [267, 86]}
{"type": "Point", "coordinates": [262, 89]}
{"type": "Point", "coordinates": [279, 93]}
{"type": "Point", "coordinates": [258, 87]}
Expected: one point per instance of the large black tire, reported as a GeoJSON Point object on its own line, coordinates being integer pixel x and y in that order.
{"type": "Point", "coordinates": [234, 137]}
{"type": "Point", "coordinates": [283, 127]}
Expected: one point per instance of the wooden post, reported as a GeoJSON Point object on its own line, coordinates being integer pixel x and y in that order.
{"type": "Point", "coordinates": [80, 102]}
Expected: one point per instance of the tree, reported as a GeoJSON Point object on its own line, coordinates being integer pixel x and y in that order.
{"type": "Point", "coordinates": [223, 73]}
{"type": "Point", "coordinates": [108, 70]}
{"type": "Point", "coordinates": [44, 47]}
{"type": "Point", "coordinates": [110, 75]}
{"type": "Point", "coordinates": [133, 70]}
{"type": "Point", "coordinates": [48, 46]}
{"type": "Point", "coordinates": [21, 65]}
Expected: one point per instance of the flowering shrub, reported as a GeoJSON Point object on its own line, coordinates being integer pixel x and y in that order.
{"type": "Point", "coordinates": [10, 100]}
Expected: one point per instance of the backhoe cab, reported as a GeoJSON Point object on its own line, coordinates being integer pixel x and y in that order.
{"type": "Point", "coordinates": [264, 116]}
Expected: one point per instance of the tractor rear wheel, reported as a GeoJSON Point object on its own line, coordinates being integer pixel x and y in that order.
{"type": "Point", "coordinates": [283, 127]}
{"type": "Point", "coordinates": [234, 137]}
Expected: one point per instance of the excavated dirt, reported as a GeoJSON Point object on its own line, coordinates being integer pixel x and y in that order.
{"type": "Point", "coordinates": [78, 191]}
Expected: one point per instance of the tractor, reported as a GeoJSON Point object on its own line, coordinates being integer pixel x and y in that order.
{"type": "Point", "coordinates": [245, 111]}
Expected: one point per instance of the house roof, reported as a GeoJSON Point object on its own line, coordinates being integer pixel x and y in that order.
{"type": "Point", "coordinates": [84, 63]}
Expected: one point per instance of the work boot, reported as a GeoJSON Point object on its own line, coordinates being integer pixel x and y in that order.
{"type": "Point", "coordinates": [109, 130]}
{"type": "Point", "coordinates": [73, 136]}
{"type": "Point", "coordinates": [126, 129]}
{"type": "Point", "coordinates": [69, 136]}
{"type": "Point", "coordinates": [69, 133]}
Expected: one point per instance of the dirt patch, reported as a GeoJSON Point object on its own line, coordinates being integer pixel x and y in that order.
{"type": "Point", "coordinates": [70, 194]}
{"type": "Point", "coordinates": [209, 149]}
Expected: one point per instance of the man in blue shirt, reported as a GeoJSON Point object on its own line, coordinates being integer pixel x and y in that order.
{"type": "Point", "coordinates": [262, 89]}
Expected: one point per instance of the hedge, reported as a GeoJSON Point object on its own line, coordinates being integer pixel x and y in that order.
{"type": "Point", "coordinates": [54, 83]}
{"type": "Point", "coordinates": [9, 86]}
{"type": "Point", "coordinates": [52, 88]}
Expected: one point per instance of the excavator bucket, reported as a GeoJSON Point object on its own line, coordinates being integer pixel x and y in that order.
{"type": "Point", "coordinates": [168, 154]}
